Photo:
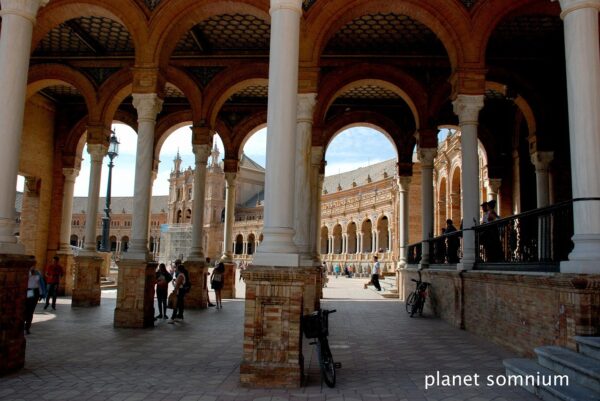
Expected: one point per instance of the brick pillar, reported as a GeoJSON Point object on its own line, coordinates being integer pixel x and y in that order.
{"type": "Point", "coordinates": [272, 355]}
{"type": "Point", "coordinates": [196, 298]}
{"type": "Point", "coordinates": [135, 294]}
{"type": "Point", "coordinates": [13, 276]}
{"type": "Point", "coordinates": [86, 280]}
{"type": "Point", "coordinates": [228, 291]}
{"type": "Point", "coordinates": [67, 261]}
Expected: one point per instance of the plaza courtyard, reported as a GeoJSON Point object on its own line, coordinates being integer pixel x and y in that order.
{"type": "Point", "coordinates": [77, 354]}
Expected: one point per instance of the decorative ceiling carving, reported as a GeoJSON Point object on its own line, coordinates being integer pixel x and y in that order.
{"type": "Point", "coordinates": [385, 34]}
{"type": "Point", "coordinates": [237, 32]}
{"type": "Point", "coordinates": [86, 36]}
{"type": "Point", "coordinates": [369, 92]}
{"type": "Point", "coordinates": [62, 93]}
{"type": "Point", "coordinates": [171, 91]}
{"type": "Point", "coordinates": [203, 75]}
{"type": "Point", "coordinates": [99, 75]}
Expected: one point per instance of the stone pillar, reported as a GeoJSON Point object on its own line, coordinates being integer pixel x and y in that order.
{"type": "Point", "coordinates": [374, 241]}
{"type": "Point", "coordinates": [135, 294]}
{"type": "Point", "coordinates": [467, 109]}
{"type": "Point", "coordinates": [229, 216]}
{"type": "Point", "coordinates": [403, 185]}
{"type": "Point", "coordinates": [13, 276]}
{"type": "Point", "coordinates": [303, 196]}
{"type": "Point", "coordinates": [67, 209]}
{"type": "Point", "coordinates": [278, 248]}
{"type": "Point", "coordinates": [228, 290]}
{"type": "Point", "coordinates": [201, 153]}
{"type": "Point", "coordinates": [516, 182]}
{"type": "Point", "coordinates": [148, 105]}
{"type": "Point", "coordinates": [493, 190]}
{"type": "Point", "coordinates": [582, 53]}
{"type": "Point", "coordinates": [18, 18]}
{"type": "Point", "coordinates": [86, 280]}
{"type": "Point", "coordinates": [541, 161]}
{"type": "Point", "coordinates": [426, 156]}
{"type": "Point", "coordinates": [316, 188]}
{"type": "Point", "coordinates": [97, 153]}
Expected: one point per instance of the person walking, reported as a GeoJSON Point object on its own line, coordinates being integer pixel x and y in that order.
{"type": "Point", "coordinates": [216, 282]}
{"type": "Point", "coordinates": [53, 272]}
{"type": "Point", "coordinates": [210, 304]}
{"type": "Point", "coordinates": [375, 271]}
{"type": "Point", "coordinates": [453, 242]}
{"type": "Point", "coordinates": [36, 290]}
{"type": "Point", "coordinates": [179, 290]}
{"type": "Point", "coordinates": [163, 278]}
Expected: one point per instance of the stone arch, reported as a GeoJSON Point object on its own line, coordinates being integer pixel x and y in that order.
{"type": "Point", "coordinates": [169, 24]}
{"type": "Point", "coordinates": [442, 202]}
{"type": "Point", "coordinates": [166, 126]}
{"type": "Point", "coordinates": [383, 237]}
{"type": "Point", "coordinates": [227, 84]}
{"type": "Point", "coordinates": [366, 228]}
{"type": "Point", "coordinates": [190, 89]}
{"type": "Point", "coordinates": [245, 129]}
{"type": "Point", "coordinates": [239, 244]}
{"type": "Point", "coordinates": [337, 239]}
{"type": "Point", "coordinates": [448, 20]}
{"type": "Point", "coordinates": [352, 237]}
{"type": "Point", "coordinates": [250, 246]}
{"type": "Point", "coordinates": [112, 93]}
{"type": "Point", "coordinates": [455, 194]}
{"type": "Point", "coordinates": [74, 240]}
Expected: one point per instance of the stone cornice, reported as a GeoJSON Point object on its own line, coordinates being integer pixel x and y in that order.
{"type": "Point", "coordinates": [568, 6]}
{"type": "Point", "coordinates": [27, 9]}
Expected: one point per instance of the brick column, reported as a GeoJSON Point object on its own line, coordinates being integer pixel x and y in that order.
{"type": "Point", "coordinates": [67, 261]}
{"type": "Point", "coordinates": [13, 276]}
{"type": "Point", "coordinates": [229, 216]}
{"type": "Point", "coordinates": [86, 284]}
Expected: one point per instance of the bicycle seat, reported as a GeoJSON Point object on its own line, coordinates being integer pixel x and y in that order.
{"type": "Point", "coordinates": [416, 281]}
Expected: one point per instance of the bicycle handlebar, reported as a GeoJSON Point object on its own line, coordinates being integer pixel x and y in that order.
{"type": "Point", "coordinates": [327, 312]}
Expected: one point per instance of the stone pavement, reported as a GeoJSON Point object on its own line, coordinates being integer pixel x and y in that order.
{"type": "Point", "coordinates": [76, 354]}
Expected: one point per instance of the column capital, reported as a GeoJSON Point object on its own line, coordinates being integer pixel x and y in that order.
{"type": "Point", "coordinates": [426, 156]}
{"type": "Point", "coordinates": [70, 173]}
{"type": "Point", "coordinates": [494, 184]}
{"type": "Point", "coordinates": [306, 106]}
{"type": "Point", "coordinates": [316, 155]}
{"type": "Point", "coordinates": [541, 160]}
{"type": "Point", "coordinates": [230, 178]}
{"type": "Point", "coordinates": [97, 151]}
{"type": "Point", "coordinates": [148, 105]}
{"type": "Point", "coordinates": [27, 9]}
{"type": "Point", "coordinates": [202, 152]}
{"type": "Point", "coordinates": [467, 108]}
{"type": "Point", "coordinates": [568, 6]}
{"type": "Point", "coordinates": [404, 182]}
{"type": "Point", "coordinates": [293, 5]}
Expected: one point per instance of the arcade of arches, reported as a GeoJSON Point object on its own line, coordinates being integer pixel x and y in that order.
{"type": "Point", "coordinates": [519, 78]}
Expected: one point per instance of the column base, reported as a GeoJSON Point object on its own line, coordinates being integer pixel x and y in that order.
{"type": "Point", "coordinates": [228, 290]}
{"type": "Point", "coordinates": [135, 295]}
{"type": "Point", "coordinates": [585, 256]}
{"type": "Point", "coordinates": [272, 355]}
{"type": "Point", "coordinates": [13, 276]}
{"type": "Point", "coordinates": [86, 280]}
{"type": "Point", "coordinates": [465, 265]}
{"type": "Point", "coordinates": [67, 261]}
{"type": "Point", "coordinates": [277, 259]}
{"type": "Point", "coordinates": [197, 297]}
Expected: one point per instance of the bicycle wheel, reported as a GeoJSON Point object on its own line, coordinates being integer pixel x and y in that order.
{"type": "Point", "coordinates": [326, 362]}
{"type": "Point", "coordinates": [410, 301]}
{"type": "Point", "coordinates": [416, 305]}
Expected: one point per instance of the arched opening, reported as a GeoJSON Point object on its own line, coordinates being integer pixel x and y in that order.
{"type": "Point", "coordinates": [442, 196]}
{"type": "Point", "coordinates": [324, 240]}
{"type": "Point", "coordinates": [250, 245]}
{"type": "Point", "coordinates": [239, 244]}
{"type": "Point", "coordinates": [179, 218]}
{"type": "Point", "coordinates": [352, 239]}
{"type": "Point", "coordinates": [383, 235]}
{"type": "Point", "coordinates": [366, 231]}
{"type": "Point", "coordinates": [74, 240]}
{"type": "Point", "coordinates": [337, 239]}
{"type": "Point", "coordinates": [124, 243]}
{"type": "Point", "coordinates": [456, 196]}
{"type": "Point", "coordinates": [188, 216]}
{"type": "Point", "coordinates": [113, 243]}
{"type": "Point", "coordinates": [98, 242]}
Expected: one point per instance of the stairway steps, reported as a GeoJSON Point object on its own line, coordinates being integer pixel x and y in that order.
{"type": "Point", "coordinates": [572, 392]}
{"type": "Point", "coordinates": [589, 346]}
{"type": "Point", "coordinates": [580, 368]}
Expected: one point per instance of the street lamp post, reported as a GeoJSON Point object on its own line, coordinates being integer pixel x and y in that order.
{"type": "Point", "coordinates": [113, 151]}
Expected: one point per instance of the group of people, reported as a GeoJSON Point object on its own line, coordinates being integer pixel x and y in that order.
{"type": "Point", "coordinates": [182, 285]}
{"type": "Point", "coordinates": [42, 286]}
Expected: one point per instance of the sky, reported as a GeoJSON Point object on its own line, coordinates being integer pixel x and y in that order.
{"type": "Point", "coordinates": [350, 149]}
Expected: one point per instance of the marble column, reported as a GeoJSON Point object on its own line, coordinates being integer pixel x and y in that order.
{"type": "Point", "coordinates": [316, 189]}
{"type": "Point", "coordinates": [582, 53]}
{"type": "Point", "coordinates": [18, 18]}
{"type": "Point", "coordinates": [67, 209]}
{"type": "Point", "coordinates": [148, 105]}
{"type": "Point", "coordinates": [426, 156]}
{"type": "Point", "coordinates": [229, 216]}
{"type": "Point", "coordinates": [201, 154]}
{"type": "Point", "coordinates": [403, 185]}
{"type": "Point", "coordinates": [97, 153]}
{"type": "Point", "coordinates": [467, 108]}
{"type": "Point", "coordinates": [303, 187]}
{"type": "Point", "coordinates": [278, 248]}
{"type": "Point", "coordinates": [541, 161]}
{"type": "Point", "coordinates": [493, 189]}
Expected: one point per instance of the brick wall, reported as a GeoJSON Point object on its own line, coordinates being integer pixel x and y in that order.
{"type": "Point", "coordinates": [519, 311]}
{"type": "Point", "coordinates": [36, 160]}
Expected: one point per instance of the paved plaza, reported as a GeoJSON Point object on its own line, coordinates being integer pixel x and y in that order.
{"type": "Point", "coordinates": [76, 354]}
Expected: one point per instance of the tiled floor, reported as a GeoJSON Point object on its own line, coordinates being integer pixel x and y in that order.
{"type": "Point", "coordinates": [76, 354]}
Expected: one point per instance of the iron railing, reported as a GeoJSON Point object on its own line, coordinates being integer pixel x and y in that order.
{"type": "Point", "coordinates": [537, 236]}
{"type": "Point", "coordinates": [446, 249]}
{"type": "Point", "coordinates": [414, 253]}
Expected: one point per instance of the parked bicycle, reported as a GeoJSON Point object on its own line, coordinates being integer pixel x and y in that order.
{"type": "Point", "coordinates": [316, 325]}
{"type": "Point", "coordinates": [416, 300]}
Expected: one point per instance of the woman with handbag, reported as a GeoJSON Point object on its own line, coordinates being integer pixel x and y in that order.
{"type": "Point", "coordinates": [163, 278]}
{"type": "Point", "coordinates": [216, 282]}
